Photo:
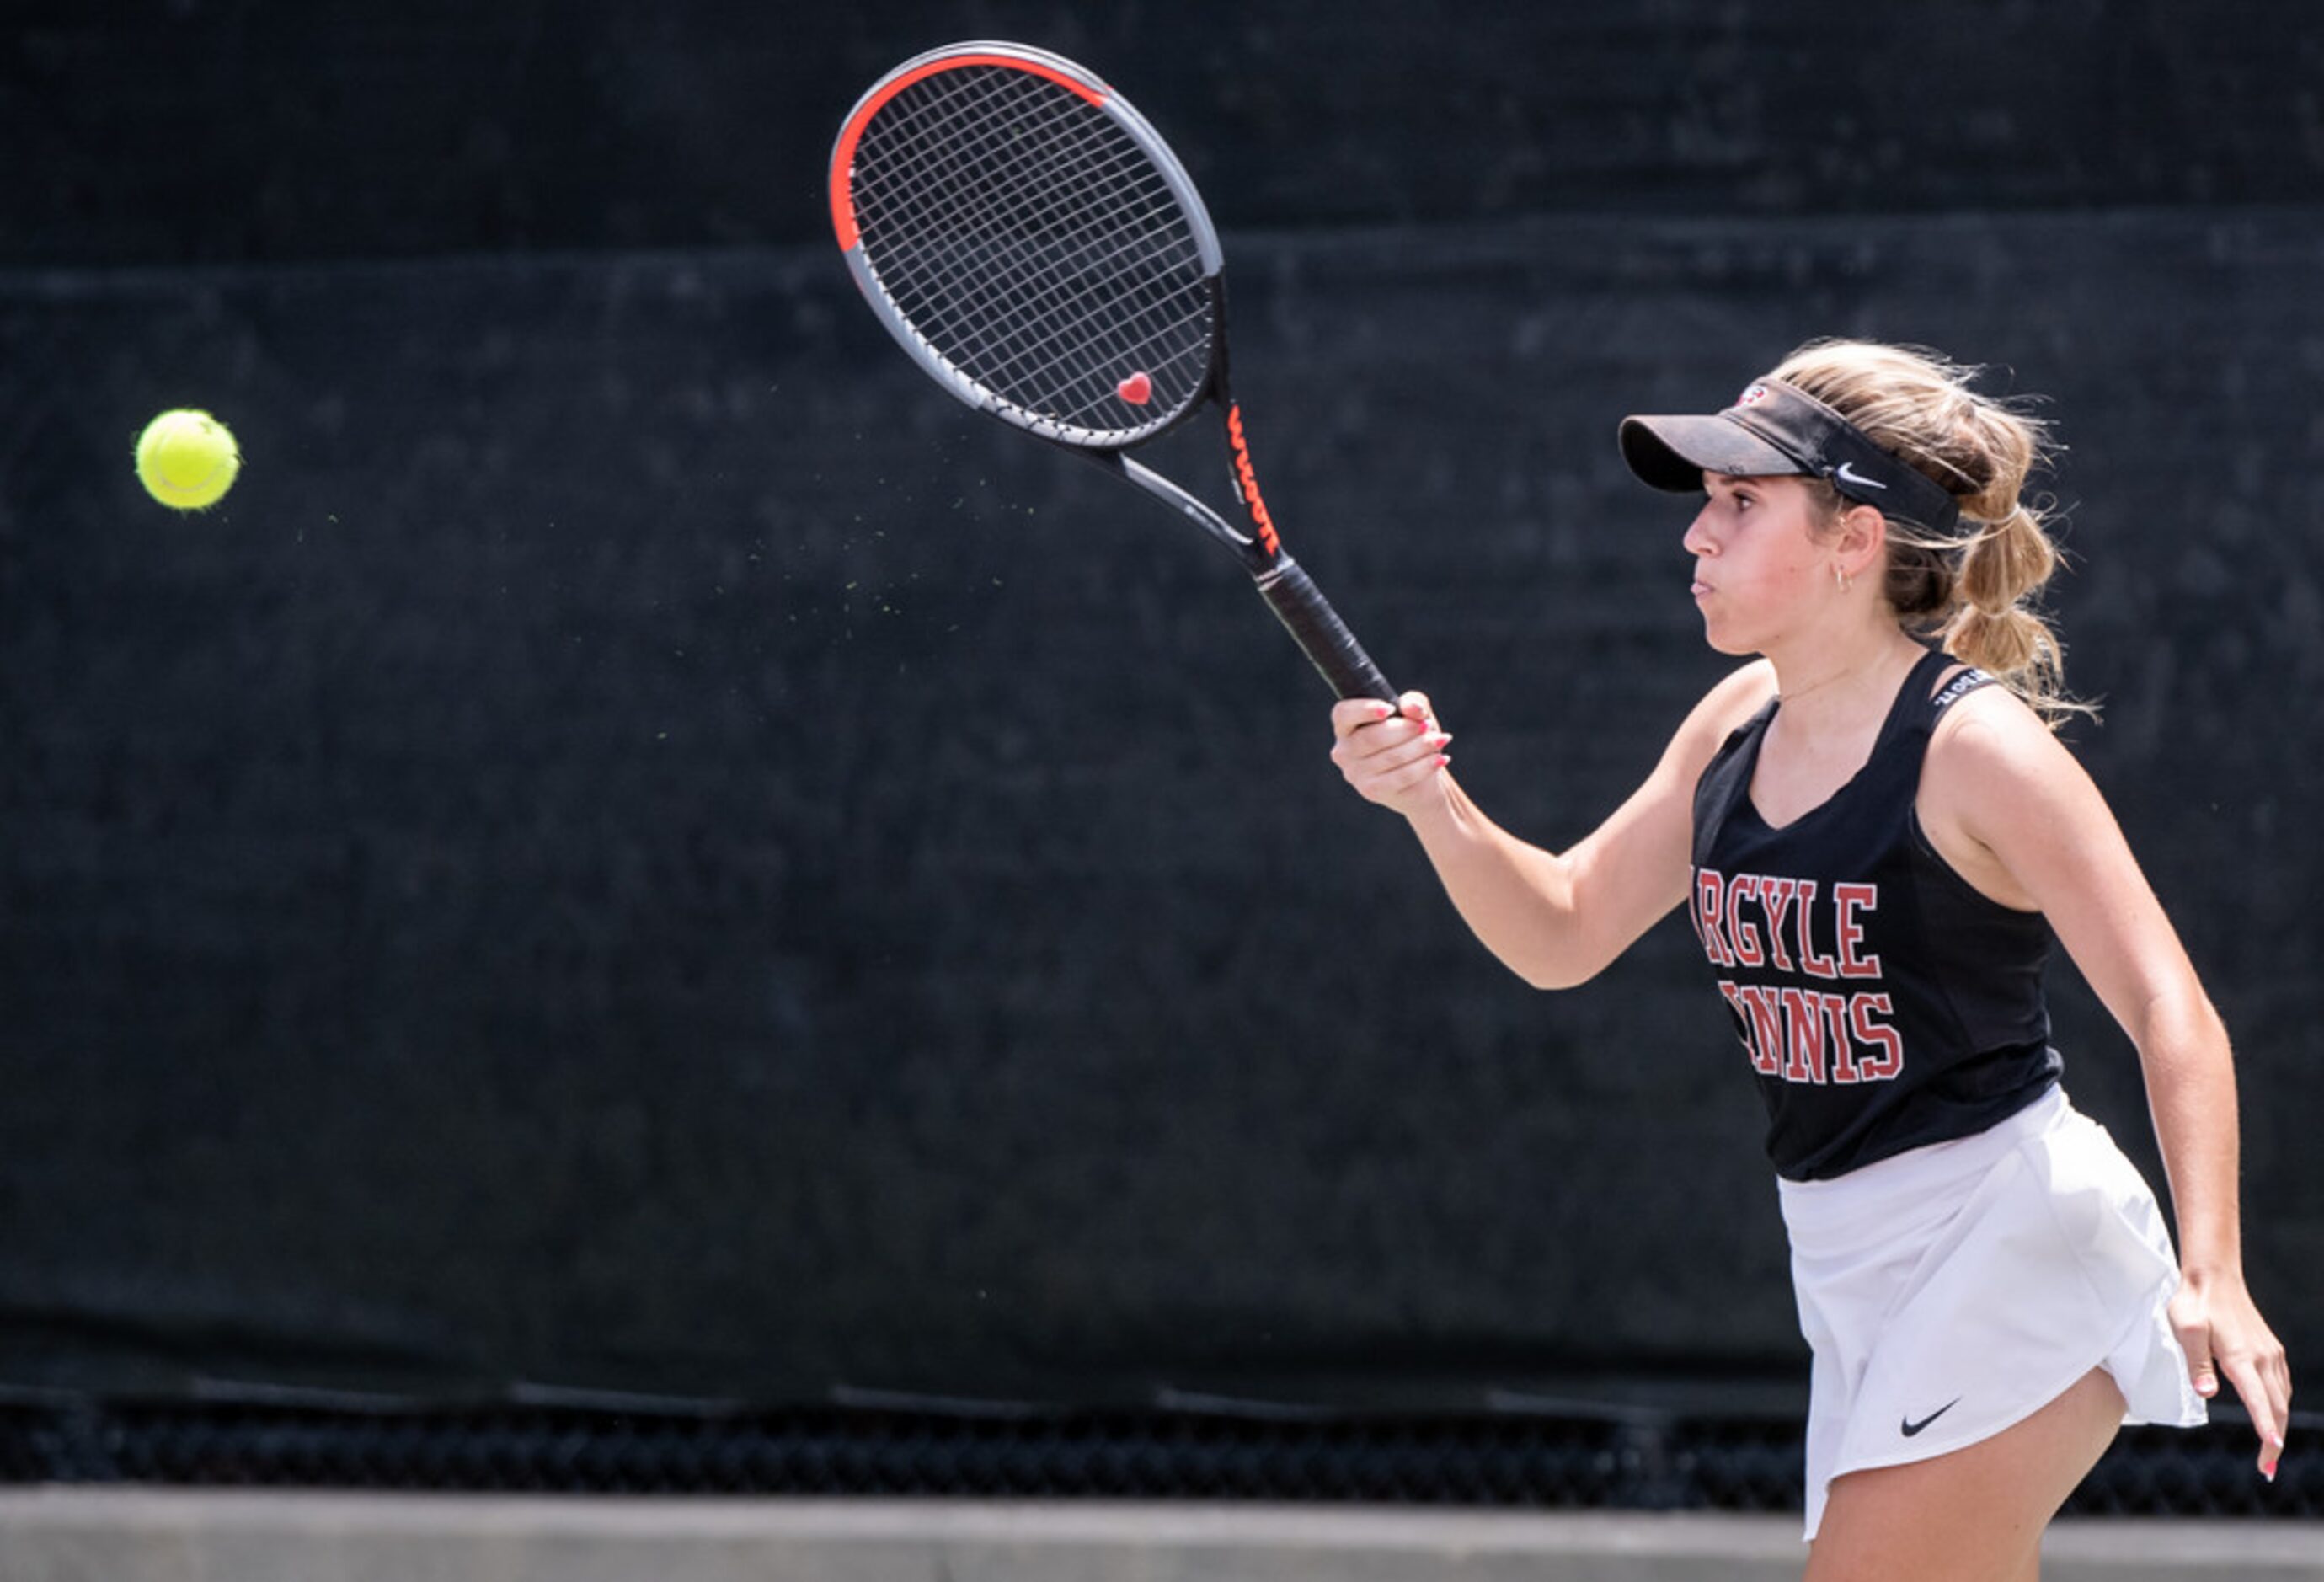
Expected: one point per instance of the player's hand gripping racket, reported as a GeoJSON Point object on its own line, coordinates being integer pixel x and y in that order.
{"type": "Point", "coordinates": [1040, 252]}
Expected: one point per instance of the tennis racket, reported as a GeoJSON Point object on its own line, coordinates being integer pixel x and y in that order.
{"type": "Point", "coordinates": [1035, 245]}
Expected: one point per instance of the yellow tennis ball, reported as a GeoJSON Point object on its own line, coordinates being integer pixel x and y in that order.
{"type": "Point", "coordinates": [187, 459]}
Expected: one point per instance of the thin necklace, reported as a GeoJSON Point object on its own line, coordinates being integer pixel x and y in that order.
{"type": "Point", "coordinates": [1811, 687]}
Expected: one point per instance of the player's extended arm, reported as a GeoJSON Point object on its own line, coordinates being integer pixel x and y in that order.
{"type": "Point", "coordinates": [1555, 918]}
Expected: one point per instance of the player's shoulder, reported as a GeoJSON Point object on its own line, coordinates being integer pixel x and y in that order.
{"type": "Point", "coordinates": [1990, 742]}
{"type": "Point", "coordinates": [1731, 701]}
{"type": "Point", "coordinates": [1980, 718]}
{"type": "Point", "coordinates": [1740, 694]}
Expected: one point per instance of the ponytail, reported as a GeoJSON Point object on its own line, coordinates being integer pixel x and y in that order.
{"type": "Point", "coordinates": [1990, 626]}
{"type": "Point", "coordinates": [1975, 590]}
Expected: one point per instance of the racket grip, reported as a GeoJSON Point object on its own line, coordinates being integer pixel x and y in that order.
{"type": "Point", "coordinates": [1320, 633]}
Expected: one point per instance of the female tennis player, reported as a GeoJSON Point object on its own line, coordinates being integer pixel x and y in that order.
{"type": "Point", "coordinates": [1874, 842]}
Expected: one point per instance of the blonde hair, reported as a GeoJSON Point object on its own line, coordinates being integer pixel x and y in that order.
{"type": "Point", "coordinates": [1974, 591]}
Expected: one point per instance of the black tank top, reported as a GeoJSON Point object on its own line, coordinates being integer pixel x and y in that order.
{"type": "Point", "coordinates": [1883, 1003]}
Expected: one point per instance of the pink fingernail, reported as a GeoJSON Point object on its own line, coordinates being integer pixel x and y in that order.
{"type": "Point", "coordinates": [1442, 760]}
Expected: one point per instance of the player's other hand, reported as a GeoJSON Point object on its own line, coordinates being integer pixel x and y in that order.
{"type": "Point", "coordinates": [1394, 757]}
{"type": "Point", "coordinates": [2225, 1337]}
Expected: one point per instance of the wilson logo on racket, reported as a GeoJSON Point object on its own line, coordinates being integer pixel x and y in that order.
{"type": "Point", "coordinates": [1247, 484]}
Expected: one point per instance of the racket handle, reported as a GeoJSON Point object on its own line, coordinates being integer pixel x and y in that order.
{"type": "Point", "coordinates": [1320, 633]}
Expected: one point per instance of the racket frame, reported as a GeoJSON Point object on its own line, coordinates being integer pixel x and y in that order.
{"type": "Point", "coordinates": [1298, 603]}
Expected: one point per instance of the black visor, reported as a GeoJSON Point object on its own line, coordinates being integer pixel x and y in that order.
{"type": "Point", "coordinates": [1775, 430]}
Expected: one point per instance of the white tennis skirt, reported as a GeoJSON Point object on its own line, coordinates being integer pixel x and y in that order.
{"type": "Point", "coordinates": [1953, 1291]}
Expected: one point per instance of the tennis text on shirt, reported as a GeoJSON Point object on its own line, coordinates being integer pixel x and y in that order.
{"type": "Point", "coordinates": [1805, 1032]}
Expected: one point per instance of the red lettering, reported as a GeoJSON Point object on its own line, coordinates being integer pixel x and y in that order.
{"type": "Point", "coordinates": [1777, 896]}
{"type": "Point", "coordinates": [1812, 963]}
{"type": "Point", "coordinates": [1247, 484]}
{"type": "Point", "coordinates": [1800, 1034]}
{"type": "Point", "coordinates": [1706, 918]}
{"type": "Point", "coordinates": [1803, 1042]}
{"type": "Point", "coordinates": [1764, 1012]}
{"type": "Point", "coordinates": [1848, 901]}
{"type": "Point", "coordinates": [1742, 935]}
{"type": "Point", "coordinates": [1889, 1064]}
{"type": "Point", "coordinates": [1843, 1052]}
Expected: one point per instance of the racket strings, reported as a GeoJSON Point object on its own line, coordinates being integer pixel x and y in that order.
{"type": "Point", "coordinates": [971, 194]}
{"type": "Point", "coordinates": [1002, 273]}
{"type": "Point", "coordinates": [1034, 244]}
{"type": "Point", "coordinates": [988, 279]}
